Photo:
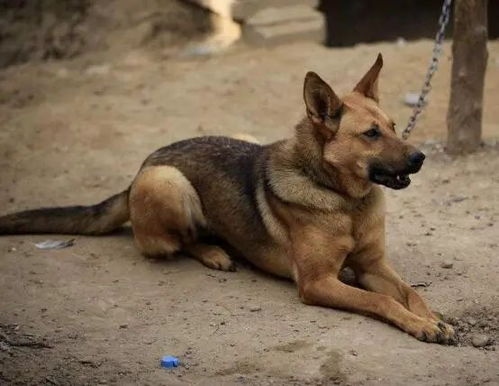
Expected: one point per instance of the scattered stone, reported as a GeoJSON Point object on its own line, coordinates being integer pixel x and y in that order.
{"type": "Point", "coordinates": [447, 264]}
{"type": "Point", "coordinates": [452, 320]}
{"type": "Point", "coordinates": [483, 323]}
{"type": "Point", "coordinates": [423, 284]}
{"type": "Point", "coordinates": [457, 199]}
{"type": "Point", "coordinates": [471, 321]}
{"type": "Point", "coordinates": [123, 325]}
{"type": "Point", "coordinates": [4, 346]}
{"type": "Point", "coordinates": [411, 99]}
{"type": "Point", "coordinates": [102, 69]}
{"type": "Point", "coordinates": [89, 362]}
{"type": "Point", "coordinates": [255, 308]}
{"type": "Point", "coordinates": [51, 381]}
{"type": "Point", "coordinates": [480, 340]}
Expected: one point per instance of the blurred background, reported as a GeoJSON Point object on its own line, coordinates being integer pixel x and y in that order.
{"type": "Point", "coordinates": [55, 29]}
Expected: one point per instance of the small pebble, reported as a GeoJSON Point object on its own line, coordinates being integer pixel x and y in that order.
{"type": "Point", "coordinates": [452, 320]}
{"type": "Point", "coordinates": [447, 264]}
{"type": "Point", "coordinates": [411, 99]}
{"type": "Point", "coordinates": [480, 340]}
{"type": "Point", "coordinates": [100, 69]}
{"type": "Point", "coordinates": [471, 321]}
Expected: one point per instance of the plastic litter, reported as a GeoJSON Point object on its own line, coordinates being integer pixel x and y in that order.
{"type": "Point", "coordinates": [54, 244]}
{"type": "Point", "coordinates": [169, 362]}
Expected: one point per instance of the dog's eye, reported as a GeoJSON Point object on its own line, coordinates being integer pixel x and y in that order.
{"type": "Point", "coordinates": [372, 133]}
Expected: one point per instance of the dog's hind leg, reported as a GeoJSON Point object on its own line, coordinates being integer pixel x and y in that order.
{"type": "Point", "coordinates": [165, 211]}
{"type": "Point", "coordinates": [210, 255]}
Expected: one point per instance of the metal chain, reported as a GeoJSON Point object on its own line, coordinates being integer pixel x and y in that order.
{"type": "Point", "coordinates": [437, 50]}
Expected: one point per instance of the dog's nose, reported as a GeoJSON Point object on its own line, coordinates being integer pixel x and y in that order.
{"type": "Point", "coordinates": [416, 158]}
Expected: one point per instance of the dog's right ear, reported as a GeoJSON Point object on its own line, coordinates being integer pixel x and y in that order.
{"type": "Point", "coordinates": [323, 105]}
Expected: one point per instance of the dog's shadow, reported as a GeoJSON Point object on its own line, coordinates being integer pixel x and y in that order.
{"type": "Point", "coordinates": [346, 275]}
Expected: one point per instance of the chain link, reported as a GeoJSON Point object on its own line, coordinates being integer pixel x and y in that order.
{"type": "Point", "coordinates": [437, 50]}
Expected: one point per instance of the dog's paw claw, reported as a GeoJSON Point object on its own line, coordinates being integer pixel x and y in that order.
{"type": "Point", "coordinates": [435, 332]}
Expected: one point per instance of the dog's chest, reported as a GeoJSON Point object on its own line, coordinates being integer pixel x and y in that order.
{"type": "Point", "coordinates": [368, 220]}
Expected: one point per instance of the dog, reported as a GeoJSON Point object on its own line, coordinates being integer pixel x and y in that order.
{"type": "Point", "coordinates": [301, 208]}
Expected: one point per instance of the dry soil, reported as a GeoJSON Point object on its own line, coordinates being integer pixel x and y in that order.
{"type": "Point", "coordinates": [75, 132]}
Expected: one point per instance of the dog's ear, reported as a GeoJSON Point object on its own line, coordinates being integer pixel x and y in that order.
{"type": "Point", "coordinates": [368, 85]}
{"type": "Point", "coordinates": [323, 105]}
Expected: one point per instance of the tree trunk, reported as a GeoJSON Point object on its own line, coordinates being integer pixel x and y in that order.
{"type": "Point", "coordinates": [469, 50]}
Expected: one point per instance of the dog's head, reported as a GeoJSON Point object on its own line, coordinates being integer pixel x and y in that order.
{"type": "Point", "coordinates": [357, 137]}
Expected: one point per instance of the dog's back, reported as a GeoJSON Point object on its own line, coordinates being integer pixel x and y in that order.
{"type": "Point", "coordinates": [224, 172]}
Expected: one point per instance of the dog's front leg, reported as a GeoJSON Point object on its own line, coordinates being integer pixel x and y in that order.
{"type": "Point", "coordinates": [330, 292]}
{"type": "Point", "coordinates": [374, 274]}
{"type": "Point", "coordinates": [317, 261]}
{"type": "Point", "coordinates": [380, 277]}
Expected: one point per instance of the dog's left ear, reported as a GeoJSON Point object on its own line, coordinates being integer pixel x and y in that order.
{"type": "Point", "coordinates": [368, 85]}
{"type": "Point", "coordinates": [323, 105]}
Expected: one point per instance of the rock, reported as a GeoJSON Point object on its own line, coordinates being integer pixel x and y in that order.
{"type": "Point", "coordinates": [483, 323]}
{"type": "Point", "coordinates": [471, 321]}
{"type": "Point", "coordinates": [480, 340]}
{"type": "Point", "coordinates": [447, 264]}
{"type": "Point", "coordinates": [4, 346]}
{"type": "Point", "coordinates": [452, 320]}
{"type": "Point", "coordinates": [255, 308]}
{"type": "Point", "coordinates": [411, 99]}
{"type": "Point", "coordinates": [101, 69]}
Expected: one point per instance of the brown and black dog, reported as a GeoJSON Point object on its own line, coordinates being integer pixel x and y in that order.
{"type": "Point", "coordinates": [301, 208]}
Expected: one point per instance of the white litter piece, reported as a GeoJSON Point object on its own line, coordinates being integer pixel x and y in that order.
{"type": "Point", "coordinates": [55, 244]}
{"type": "Point", "coordinates": [411, 99]}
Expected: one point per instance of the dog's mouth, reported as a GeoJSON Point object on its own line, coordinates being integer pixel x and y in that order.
{"type": "Point", "coordinates": [390, 179]}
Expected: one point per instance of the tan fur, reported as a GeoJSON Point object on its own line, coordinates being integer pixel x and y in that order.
{"type": "Point", "coordinates": [210, 255]}
{"type": "Point", "coordinates": [164, 209]}
{"type": "Point", "coordinates": [246, 137]}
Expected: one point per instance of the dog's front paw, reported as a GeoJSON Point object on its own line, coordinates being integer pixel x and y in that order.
{"type": "Point", "coordinates": [435, 331]}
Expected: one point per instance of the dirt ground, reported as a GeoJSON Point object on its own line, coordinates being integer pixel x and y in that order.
{"type": "Point", "coordinates": [75, 132]}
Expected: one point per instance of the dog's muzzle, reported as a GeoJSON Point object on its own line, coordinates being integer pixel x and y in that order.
{"type": "Point", "coordinates": [396, 179]}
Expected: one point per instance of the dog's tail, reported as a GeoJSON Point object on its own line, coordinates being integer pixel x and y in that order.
{"type": "Point", "coordinates": [86, 220]}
